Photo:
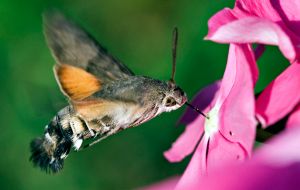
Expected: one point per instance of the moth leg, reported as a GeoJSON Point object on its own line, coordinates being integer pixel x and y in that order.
{"type": "Point", "coordinates": [99, 127]}
{"type": "Point", "coordinates": [104, 136]}
{"type": "Point", "coordinates": [91, 131]}
{"type": "Point", "coordinates": [105, 128]}
{"type": "Point", "coordinates": [87, 126]}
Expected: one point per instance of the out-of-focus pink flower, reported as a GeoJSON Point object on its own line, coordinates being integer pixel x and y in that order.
{"type": "Point", "coordinates": [273, 22]}
{"type": "Point", "coordinates": [276, 166]}
{"type": "Point", "coordinates": [229, 132]}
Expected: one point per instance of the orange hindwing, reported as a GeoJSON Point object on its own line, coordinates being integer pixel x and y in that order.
{"type": "Point", "coordinates": [75, 82]}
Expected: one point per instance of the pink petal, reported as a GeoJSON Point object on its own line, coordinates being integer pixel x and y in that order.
{"type": "Point", "coordinates": [237, 114]}
{"type": "Point", "coordinates": [188, 140]}
{"type": "Point", "coordinates": [168, 184]}
{"type": "Point", "coordinates": [294, 118]}
{"type": "Point", "coordinates": [209, 155]}
{"type": "Point", "coordinates": [256, 176]}
{"type": "Point", "coordinates": [281, 11]}
{"type": "Point", "coordinates": [254, 30]}
{"type": "Point", "coordinates": [282, 150]}
{"type": "Point", "coordinates": [242, 55]}
{"type": "Point", "coordinates": [280, 96]}
{"type": "Point", "coordinates": [221, 152]}
{"type": "Point", "coordinates": [191, 179]}
{"type": "Point", "coordinates": [221, 18]}
{"type": "Point", "coordinates": [202, 100]}
{"type": "Point", "coordinates": [259, 8]}
{"type": "Point", "coordinates": [289, 12]}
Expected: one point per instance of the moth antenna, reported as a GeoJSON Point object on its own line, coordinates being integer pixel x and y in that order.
{"type": "Point", "coordinates": [174, 53]}
{"type": "Point", "coordinates": [196, 109]}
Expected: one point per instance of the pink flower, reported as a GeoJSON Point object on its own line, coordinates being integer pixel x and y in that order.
{"type": "Point", "coordinates": [276, 166]}
{"type": "Point", "coordinates": [229, 132]}
{"type": "Point", "coordinates": [273, 22]}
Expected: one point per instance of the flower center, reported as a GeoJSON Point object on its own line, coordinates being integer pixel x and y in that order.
{"type": "Point", "coordinates": [211, 125]}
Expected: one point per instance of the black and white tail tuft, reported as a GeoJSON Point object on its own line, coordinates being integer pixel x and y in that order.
{"type": "Point", "coordinates": [48, 152]}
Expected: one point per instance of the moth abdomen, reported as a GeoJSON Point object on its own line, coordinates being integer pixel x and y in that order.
{"type": "Point", "coordinates": [49, 151]}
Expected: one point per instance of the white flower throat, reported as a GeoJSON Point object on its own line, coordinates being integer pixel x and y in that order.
{"type": "Point", "coordinates": [211, 124]}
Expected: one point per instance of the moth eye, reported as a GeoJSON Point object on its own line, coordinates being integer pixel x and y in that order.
{"type": "Point", "coordinates": [170, 102]}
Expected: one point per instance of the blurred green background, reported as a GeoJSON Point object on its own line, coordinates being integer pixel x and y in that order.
{"type": "Point", "coordinates": [138, 32]}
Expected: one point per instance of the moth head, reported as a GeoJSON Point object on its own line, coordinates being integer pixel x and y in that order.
{"type": "Point", "coordinates": [174, 98]}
